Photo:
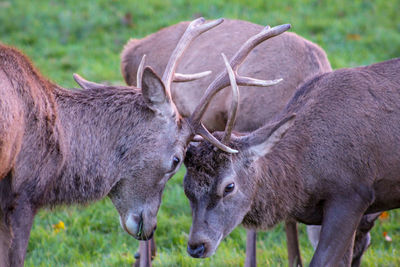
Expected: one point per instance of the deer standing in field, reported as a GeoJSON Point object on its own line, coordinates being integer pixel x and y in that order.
{"type": "Point", "coordinates": [61, 146]}
{"type": "Point", "coordinates": [286, 56]}
{"type": "Point", "coordinates": [329, 158]}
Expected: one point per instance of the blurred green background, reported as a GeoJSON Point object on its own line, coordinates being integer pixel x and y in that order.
{"type": "Point", "coordinates": [63, 37]}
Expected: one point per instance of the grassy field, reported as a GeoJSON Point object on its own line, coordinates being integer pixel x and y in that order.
{"type": "Point", "coordinates": [63, 37]}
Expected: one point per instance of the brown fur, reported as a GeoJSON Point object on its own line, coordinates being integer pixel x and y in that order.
{"type": "Point", "coordinates": [337, 161]}
{"type": "Point", "coordinates": [286, 56]}
{"type": "Point", "coordinates": [61, 146]}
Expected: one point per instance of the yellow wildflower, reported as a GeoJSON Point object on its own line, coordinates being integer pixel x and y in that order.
{"type": "Point", "coordinates": [59, 226]}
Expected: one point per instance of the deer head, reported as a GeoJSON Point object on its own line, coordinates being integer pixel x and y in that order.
{"type": "Point", "coordinates": [221, 186]}
{"type": "Point", "coordinates": [218, 182]}
{"type": "Point", "coordinates": [160, 145]}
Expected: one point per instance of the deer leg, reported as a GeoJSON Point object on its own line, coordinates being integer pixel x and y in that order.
{"type": "Point", "coordinates": [5, 243]}
{"type": "Point", "coordinates": [341, 218]}
{"type": "Point", "coordinates": [348, 254]}
{"type": "Point", "coordinates": [146, 253]}
{"type": "Point", "coordinates": [292, 242]}
{"type": "Point", "coordinates": [313, 232]}
{"type": "Point", "coordinates": [361, 241]}
{"type": "Point", "coordinates": [21, 221]}
{"type": "Point", "coordinates": [153, 248]}
{"type": "Point", "coordinates": [363, 237]}
{"type": "Point", "coordinates": [251, 247]}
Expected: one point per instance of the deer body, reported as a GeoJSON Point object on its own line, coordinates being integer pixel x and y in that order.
{"type": "Point", "coordinates": [337, 159]}
{"type": "Point", "coordinates": [57, 147]}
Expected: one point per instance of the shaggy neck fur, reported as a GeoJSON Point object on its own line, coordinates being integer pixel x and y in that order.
{"type": "Point", "coordinates": [279, 190]}
{"type": "Point", "coordinates": [92, 155]}
{"type": "Point", "coordinates": [65, 154]}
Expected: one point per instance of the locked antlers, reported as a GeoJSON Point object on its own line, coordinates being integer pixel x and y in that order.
{"type": "Point", "coordinates": [229, 76]}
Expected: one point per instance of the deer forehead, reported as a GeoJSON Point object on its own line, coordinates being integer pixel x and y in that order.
{"type": "Point", "coordinates": [202, 181]}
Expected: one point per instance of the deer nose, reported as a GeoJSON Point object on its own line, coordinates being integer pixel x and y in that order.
{"type": "Point", "coordinates": [196, 251]}
{"type": "Point", "coordinates": [144, 236]}
{"type": "Point", "coordinates": [134, 224]}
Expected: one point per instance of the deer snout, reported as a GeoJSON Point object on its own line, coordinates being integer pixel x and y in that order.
{"type": "Point", "coordinates": [203, 245]}
{"type": "Point", "coordinates": [197, 250]}
{"type": "Point", "coordinates": [135, 226]}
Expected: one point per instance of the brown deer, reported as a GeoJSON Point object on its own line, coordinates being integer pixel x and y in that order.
{"type": "Point", "coordinates": [286, 56]}
{"type": "Point", "coordinates": [61, 146]}
{"type": "Point", "coordinates": [329, 158]}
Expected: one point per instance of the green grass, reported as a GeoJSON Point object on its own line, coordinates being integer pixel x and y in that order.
{"type": "Point", "coordinates": [63, 37]}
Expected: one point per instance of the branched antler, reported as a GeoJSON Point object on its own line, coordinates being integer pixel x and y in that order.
{"type": "Point", "coordinates": [195, 29]}
{"type": "Point", "coordinates": [223, 80]}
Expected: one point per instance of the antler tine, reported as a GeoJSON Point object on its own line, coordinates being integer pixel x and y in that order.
{"type": "Point", "coordinates": [235, 102]}
{"type": "Point", "coordinates": [222, 79]}
{"type": "Point", "coordinates": [85, 84]}
{"type": "Point", "coordinates": [203, 132]}
{"type": "Point", "coordinates": [139, 73]}
{"type": "Point", "coordinates": [265, 34]}
{"type": "Point", "coordinates": [195, 28]}
{"type": "Point", "coordinates": [247, 81]}
{"type": "Point", "coordinates": [179, 77]}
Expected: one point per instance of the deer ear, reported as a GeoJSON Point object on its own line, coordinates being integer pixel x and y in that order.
{"type": "Point", "coordinates": [263, 140]}
{"type": "Point", "coordinates": [154, 93]}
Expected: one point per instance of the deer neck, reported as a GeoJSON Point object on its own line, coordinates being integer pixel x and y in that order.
{"type": "Point", "coordinates": [279, 190]}
{"type": "Point", "coordinates": [92, 125]}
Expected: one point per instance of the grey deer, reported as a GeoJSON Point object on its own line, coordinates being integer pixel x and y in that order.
{"type": "Point", "coordinates": [61, 146]}
{"type": "Point", "coordinates": [329, 158]}
{"type": "Point", "coordinates": [288, 56]}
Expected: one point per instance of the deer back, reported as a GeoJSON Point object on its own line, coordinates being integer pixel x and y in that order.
{"type": "Point", "coordinates": [287, 56]}
{"type": "Point", "coordinates": [28, 110]}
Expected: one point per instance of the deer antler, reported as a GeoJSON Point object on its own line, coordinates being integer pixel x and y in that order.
{"type": "Point", "coordinates": [235, 102]}
{"type": "Point", "coordinates": [139, 73]}
{"type": "Point", "coordinates": [85, 84]}
{"type": "Point", "coordinates": [195, 28]}
{"type": "Point", "coordinates": [223, 79]}
{"type": "Point", "coordinates": [179, 77]}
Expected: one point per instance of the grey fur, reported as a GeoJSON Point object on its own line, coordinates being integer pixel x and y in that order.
{"type": "Point", "coordinates": [339, 160]}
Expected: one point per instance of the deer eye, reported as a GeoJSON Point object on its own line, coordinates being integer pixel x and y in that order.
{"type": "Point", "coordinates": [229, 188]}
{"type": "Point", "coordinates": [175, 162]}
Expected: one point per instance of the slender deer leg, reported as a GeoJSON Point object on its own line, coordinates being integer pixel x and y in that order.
{"type": "Point", "coordinates": [5, 229]}
{"type": "Point", "coordinates": [292, 242]}
{"type": "Point", "coordinates": [21, 223]}
{"type": "Point", "coordinates": [145, 253]}
{"type": "Point", "coordinates": [313, 232]}
{"type": "Point", "coordinates": [363, 237]}
{"type": "Point", "coordinates": [5, 242]}
{"type": "Point", "coordinates": [251, 248]}
{"type": "Point", "coordinates": [137, 257]}
{"type": "Point", "coordinates": [153, 247]}
{"type": "Point", "coordinates": [348, 255]}
{"type": "Point", "coordinates": [147, 250]}
{"type": "Point", "coordinates": [341, 218]}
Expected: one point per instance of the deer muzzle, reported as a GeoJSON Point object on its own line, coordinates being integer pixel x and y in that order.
{"type": "Point", "coordinates": [134, 225]}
